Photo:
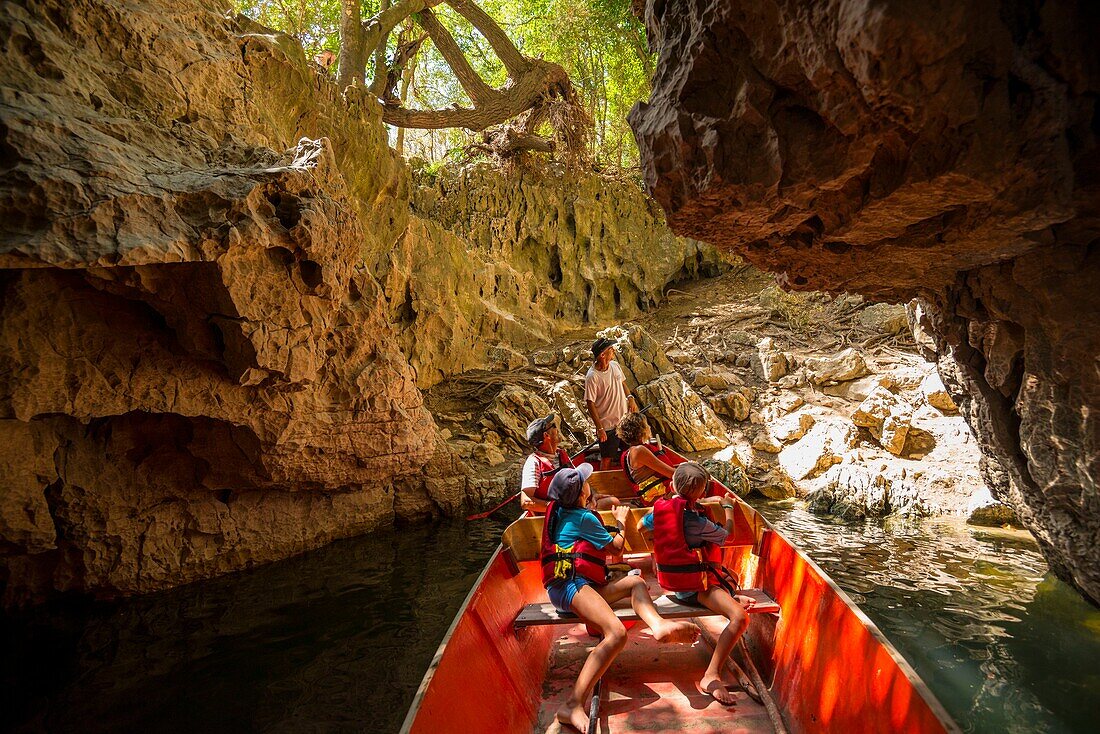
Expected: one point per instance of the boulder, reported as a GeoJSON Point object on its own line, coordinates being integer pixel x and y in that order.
{"type": "Point", "coordinates": [545, 358]}
{"type": "Point", "coordinates": [935, 394]}
{"type": "Point", "coordinates": [730, 473]}
{"type": "Point", "coordinates": [887, 416]}
{"type": "Point", "coordinates": [641, 357]}
{"type": "Point", "coordinates": [680, 415]}
{"type": "Point", "coordinates": [847, 365]}
{"type": "Point", "coordinates": [735, 404]}
{"type": "Point", "coordinates": [771, 364]}
{"type": "Point", "coordinates": [857, 390]}
{"type": "Point", "coordinates": [884, 318]}
{"type": "Point", "coordinates": [764, 441]}
{"type": "Point", "coordinates": [821, 447]}
{"type": "Point", "coordinates": [511, 411]}
{"type": "Point", "coordinates": [715, 378]}
{"type": "Point", "coordinates": [503, 358]}
{"type": "Point", "coordinates": [791, 427]}
{"type": "Point", "coordinates": [780, 406]}
{"type": "Point", "coordinates": [775, 485]}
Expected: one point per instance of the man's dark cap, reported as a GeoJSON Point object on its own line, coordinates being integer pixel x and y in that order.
{"type": "Point", "coordinates": [567, 484]}
{"type": "Point", "coordinates": [601, 344]}
{"type": "Point", "coordinates": [537, 428]}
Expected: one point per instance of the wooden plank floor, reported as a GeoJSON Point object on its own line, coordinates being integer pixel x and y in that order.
{"type": "Point", "coordinates": [650, 687]}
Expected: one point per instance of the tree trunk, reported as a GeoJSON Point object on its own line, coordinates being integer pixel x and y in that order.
{"type": "Point", "coordinates": [351, 44]}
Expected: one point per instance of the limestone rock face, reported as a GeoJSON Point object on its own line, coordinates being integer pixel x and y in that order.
{"type": "Point", "coordinates": [488, 257]}
{"type": "Point", "coordinates": [510, 413]}
{"type": "Point", "coordinates": [197, 373]}
{"type": "Point", "coordinates": [680, 415]}
{"type": "Point", "coordinates": [944, 152]}
{"type": "Point", "coordinates": [822, 446]}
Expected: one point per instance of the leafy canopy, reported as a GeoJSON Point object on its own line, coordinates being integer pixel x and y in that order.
{"type": "Point", "coordinates": [600, 44]}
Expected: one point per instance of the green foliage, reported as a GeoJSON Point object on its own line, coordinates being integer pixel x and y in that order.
{"type": "Point", "coordinates": [599, 43]}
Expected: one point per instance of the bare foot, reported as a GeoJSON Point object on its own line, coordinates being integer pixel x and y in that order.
{"type": "Point", "coordinates": [574, 716]}
{"type": "Point", "coordinates": [683, 632]}
{"type": "Point", "coordinates": [714, 685]}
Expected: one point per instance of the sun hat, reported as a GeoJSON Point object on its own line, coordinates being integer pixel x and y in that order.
{"type": "Point", "coordinates": [566, 485]}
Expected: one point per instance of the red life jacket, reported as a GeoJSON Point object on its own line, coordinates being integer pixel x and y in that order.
{"type": "Point", "coordinates": [680, 568]}
{"type": "Point", "coordinates": [546, 472]}
{"type": "Point", "coordinates": [582, 559]}
{"type": "Point", "coordinates": [650, 489]}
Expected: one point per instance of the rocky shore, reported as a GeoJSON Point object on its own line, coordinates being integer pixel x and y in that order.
{"type": "Point", "coordinates": [785, 395]}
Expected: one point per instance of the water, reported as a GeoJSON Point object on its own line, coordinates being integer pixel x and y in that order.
{"type": "Point", "coordinates": [337, 640]}
{"type": "Point", "coordinates": [325, 642]}
{"type": "Point", "coordinates": [1004, 645]}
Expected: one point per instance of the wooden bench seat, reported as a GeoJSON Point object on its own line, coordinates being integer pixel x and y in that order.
{"type": "Point", "coordinates": [534, 615]}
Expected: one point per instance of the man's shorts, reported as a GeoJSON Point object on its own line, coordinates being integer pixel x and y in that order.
{"type": "Point", "coordinates": [561, 593]}
{"type": "Point", "coordinates": [612, 447]}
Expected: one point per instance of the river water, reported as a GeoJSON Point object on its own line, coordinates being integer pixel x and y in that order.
{"type": "Point", "coordinates": [339, 638]}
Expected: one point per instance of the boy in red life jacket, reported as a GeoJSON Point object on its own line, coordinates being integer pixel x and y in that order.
{"type": "Point", "coordinates": [574, 551]}
{"type": "Point", "coordinates": [544, 462]}
{"type": "Point", "coordinates": [687, 553]}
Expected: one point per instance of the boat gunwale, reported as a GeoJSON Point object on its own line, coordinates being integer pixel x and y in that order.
{"type": "Point", "coordinates": [426, 681]}
{"type": "Point", "coordinates": [935, 706]}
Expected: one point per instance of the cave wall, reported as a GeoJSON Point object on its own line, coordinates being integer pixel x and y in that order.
{"type": "Point", "coordinates": [900, 149]}
{"type": "Point", "coordinates": [197, 372]}
{"type": "Point", "coordinates": [521, 257]}
{"type": "Point", "coordinates": [222, 293]}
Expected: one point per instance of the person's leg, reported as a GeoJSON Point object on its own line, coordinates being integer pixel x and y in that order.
{"type": "Point", "coordinates": [663, 630]}
{"type": "Point", "coordinates": [590, 606]}
{"type": "Point", "coordinates": [609, 449]}
{"type": "Point", "coordinates": [718, 599]}
{"type": "Point", "coordinates": [606, 502]}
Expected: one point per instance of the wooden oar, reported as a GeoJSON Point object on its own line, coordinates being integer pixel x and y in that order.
{"type": "Point", "coordinates": [483, 515]}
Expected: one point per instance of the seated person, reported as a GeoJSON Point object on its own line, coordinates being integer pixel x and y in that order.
{"type": "Point", "coordinates": [575, 545]}
{"type": "Point", "coordinates": [687, 556]}
{"type": "Point", "coordinates": [642, 467]}
{"type": "Point", "coordinates": [544, 462]}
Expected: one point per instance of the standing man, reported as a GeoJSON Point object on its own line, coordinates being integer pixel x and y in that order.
{"type": "Point", "coordinates": [607, 398]}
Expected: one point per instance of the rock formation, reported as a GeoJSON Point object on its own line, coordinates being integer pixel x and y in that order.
{"type": "Point", "coordinates": [901, 150]}
{"type": "Point", "coordinates": [196, 373]}
{"type": "Point", "coordinates": [522, 258]}
{"type": "Point", "coordinates": [219, 305]}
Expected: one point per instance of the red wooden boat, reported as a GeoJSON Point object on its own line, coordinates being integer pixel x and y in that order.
{"type": "Point", "coordinates": [508, 661]}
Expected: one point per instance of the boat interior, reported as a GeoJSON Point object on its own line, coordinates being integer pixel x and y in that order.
{"type": "Point", "coordinates": [810, 661]}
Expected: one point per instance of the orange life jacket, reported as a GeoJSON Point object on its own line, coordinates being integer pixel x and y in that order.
{"type": "Point", "coordinates": [650, 489]}
{"type": "Point", "coordinates": [581, 559]}
{"type": "Point", "coordinates": [679, 567]}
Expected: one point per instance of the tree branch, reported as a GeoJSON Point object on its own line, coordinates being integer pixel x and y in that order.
{"type": "Point", "coordinates": [474, 85]}
{"type": "Point", "coordinates": [541, 79]}
{"type": "Point", "coordinates": [513, 60]}
{"type": "Point", "coordinates": [378, 81]}
{"type": "Point", "coordinates": [380, 26]}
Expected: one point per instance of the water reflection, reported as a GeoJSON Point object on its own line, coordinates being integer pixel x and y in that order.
{"type": "Point", "coordinates": [328, 641]}
{"type": "Point", "coordinates": [338, 639]}
{"type": "Point", "coordinates": [1005, 646]}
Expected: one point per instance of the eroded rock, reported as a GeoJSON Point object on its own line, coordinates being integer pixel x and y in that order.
{"type": "Point", "coordinates": [945, 154]}
{"type": "Point", "coordinates": [847, 365]}
{"type": "Point", "coordinates": [680, 415]}
{"type": "Point", "coordinates": [821, 447]}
